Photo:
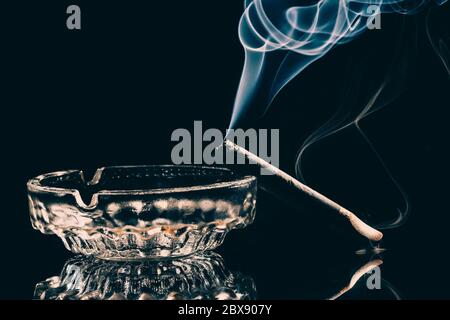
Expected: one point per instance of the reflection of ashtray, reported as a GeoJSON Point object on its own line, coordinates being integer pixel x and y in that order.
{"type": "Point", "coordinates": [141, 212]}
{"type": "Point", "coordinates": [196, 277]}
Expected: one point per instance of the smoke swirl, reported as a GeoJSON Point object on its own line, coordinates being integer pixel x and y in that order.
{"type": "Point", "coordinates": [283, 37]}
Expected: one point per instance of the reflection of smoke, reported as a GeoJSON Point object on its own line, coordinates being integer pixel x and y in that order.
{"type": "Point", "coordinates": [387, 285]}
{"type": "Point", "coordinates": [282, 37]}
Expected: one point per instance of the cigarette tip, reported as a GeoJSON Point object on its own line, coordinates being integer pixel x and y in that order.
{"type": "Point", "coordinates": [377, 236]}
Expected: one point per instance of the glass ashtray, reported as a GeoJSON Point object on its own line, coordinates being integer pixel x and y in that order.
{"type": "Point", "coordinates": [142, 212]}
{"type": "Point", "coordinates": [203, 276]}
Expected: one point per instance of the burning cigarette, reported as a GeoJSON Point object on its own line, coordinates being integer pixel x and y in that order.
{"type": "Point", "coordinates": [363, 229]}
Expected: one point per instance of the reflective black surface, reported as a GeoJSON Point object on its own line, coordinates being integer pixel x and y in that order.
{"type": "Point", "coordinates": [298, 256]}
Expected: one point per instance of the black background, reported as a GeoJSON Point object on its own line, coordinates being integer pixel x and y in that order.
{"type": "Point", "coordinates": [113, 92]}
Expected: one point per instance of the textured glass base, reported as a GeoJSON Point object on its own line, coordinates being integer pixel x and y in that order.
{"type": "Point", "coordinates": [197, 277]}
{"type": "Point", "coordinates": [133, 247]}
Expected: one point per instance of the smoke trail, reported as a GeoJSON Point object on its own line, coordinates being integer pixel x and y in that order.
{"type": "Point", "coordinates": [348, 116]}
{"type": "Point", "coordinates": [283, 37]}
{"type": "Point", "coordinates": [390, 88]}
{"type": "Point", "coordinates": [440, 43]}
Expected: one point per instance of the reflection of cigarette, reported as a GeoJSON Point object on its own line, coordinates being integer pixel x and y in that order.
{"type": "Point", "coordinates": [364, 229]}
{"type": "Point", "coordinates": [358, 274]}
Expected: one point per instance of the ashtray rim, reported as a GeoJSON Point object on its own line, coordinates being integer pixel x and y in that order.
{"type": "Point", "coordinates": [35, 184]}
